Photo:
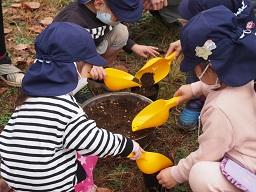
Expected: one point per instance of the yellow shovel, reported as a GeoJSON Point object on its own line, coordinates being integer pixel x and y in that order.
{"type": "Point", "coordinates": [116, 80]}
{"type": "Point", "coordinates": [151, 162]}
{"type": "Point", "coordinates": [159, 66]}
{"type": "Point", "coordinates": [155, 114]}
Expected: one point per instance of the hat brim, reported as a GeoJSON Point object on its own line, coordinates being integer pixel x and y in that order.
{"type": "Point", "coordinates": [97, 60]}
{"type": "Point", "coordinates": [49, 79]}
{"type": "Point", "coordinates": [186, 65]}
{"type": "Point", "coordinates": [124, 15]}
{"type": "Point", "coordinates": [235, 76]}
{"type": "Point", "coordinates": [184, 10]}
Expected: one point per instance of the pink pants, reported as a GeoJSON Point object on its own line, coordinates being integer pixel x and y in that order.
{"type": "Point", "coordinates": [205, 176]}
{"type": "Point", "coordinates": [88, 163]}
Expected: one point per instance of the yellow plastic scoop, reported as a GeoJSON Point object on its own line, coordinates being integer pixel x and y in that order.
{"type": "Point", "coordinates": [155, 114]}
{"type": "Point", "coordinates": [116, 80]}
{"type": "Point", "coordinates": [159, 66]}
{"type": "Point", "coordinates": [151, 162]}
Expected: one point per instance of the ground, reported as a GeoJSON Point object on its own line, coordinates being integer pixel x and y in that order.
{"type": "Point", "coordinates": [23, 23]}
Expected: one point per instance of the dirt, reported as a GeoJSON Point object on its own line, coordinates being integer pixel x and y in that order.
{"type": "Point", "coordinates": [116, 114]}
{"type": "Point", "coordinates": [147, 80]}
{"type": "Point", "coordinates": [148, 88]}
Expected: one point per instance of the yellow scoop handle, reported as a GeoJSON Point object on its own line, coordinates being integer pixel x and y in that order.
{"type": "Point", "coordinates": [151, 162]}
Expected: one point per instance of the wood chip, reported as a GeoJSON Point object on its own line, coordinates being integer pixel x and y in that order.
{"type": "Point", "coordinates": [31, 5]}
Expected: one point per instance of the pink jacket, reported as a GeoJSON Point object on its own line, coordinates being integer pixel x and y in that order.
{"type": "Point", "coordinates": [228, 121]}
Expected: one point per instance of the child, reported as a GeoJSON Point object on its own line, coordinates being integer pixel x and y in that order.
{"type": "Point", "coordinates": [243, 9]}
{"type": "Point", "coordinates": [46, 134]}
{"type": "Point", "coordinates": [102, 18]}
{"type": "Point", "coordinates": [223, 57]}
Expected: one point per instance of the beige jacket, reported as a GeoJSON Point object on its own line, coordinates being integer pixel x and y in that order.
{"type": "Point", "coordinates": [228, 121]}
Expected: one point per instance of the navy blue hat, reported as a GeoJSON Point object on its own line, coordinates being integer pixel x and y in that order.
{"type": "Point", "coordinates": [124, 10]}
{"type": "Point", "coordinates": [213, 35]}
{"type": "Point", "coordinates": [242, 8]}
{"type": "Point", "coordinates": [57, 48]}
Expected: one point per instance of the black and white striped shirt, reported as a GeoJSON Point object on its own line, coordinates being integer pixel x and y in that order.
{"type": "Point", "coordinates": [38, 145]}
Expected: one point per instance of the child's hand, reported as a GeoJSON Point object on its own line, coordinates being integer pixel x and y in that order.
{"type": "Point", "coordinates": [145, 51]}
{"type": "Point", "coordinates": [166, 179]}
{"type": "Point", "coordinates": [137, 151]}
{"type": "Point", "coordinates": [97, 73]}
{"type": "Point", "coordinates": [174, 47]}
{"type": "Point", "coordinates": [185, 93]}
{"type": "Point", "coordinates": [155, 4]}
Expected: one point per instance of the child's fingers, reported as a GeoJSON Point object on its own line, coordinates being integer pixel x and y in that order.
{"type": "Point", "coordinates": [169, 51]}
{"type": "Point", "coordinates": [177, 93]}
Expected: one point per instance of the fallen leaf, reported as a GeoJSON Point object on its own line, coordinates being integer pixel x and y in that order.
{"type": "Point", "coordinates": [2, 90]}
{"type": "Point", "coordinates": [7, 30]}
{"type": "Point", "coordinates": [5, 10]}
{"type": "Point", "coordinates": [16, 1]}
{"type": "Point", "coordinates": [46, 21]}
{"type": "Point", "coordinates": [36, 28]}
{"type": "Point", "coordinates": [21, 47]}
{"type": "Point", "coordinates": [31, 5]}
{"type": "Point", "coordinates": [16, 5]}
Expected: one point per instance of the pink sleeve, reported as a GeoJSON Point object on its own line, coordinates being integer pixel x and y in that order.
{"type": "Point", "coordinates": [216, 140]}
{"type": "Point", "coordinates": [199, 89]}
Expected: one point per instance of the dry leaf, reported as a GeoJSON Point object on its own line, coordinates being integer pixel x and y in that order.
{"type": "Point", "coordinates": [16, 1]}
{"type": "Point", "coordinates": [5, 10]}
{"type": "Point", "coordinates": [7, 30]}
{"type": "Point", "coordinates": [31, 5]}
{"type": "Point", "coordinates": [2, 90]}
{"type": "Point", "coordinates": [46, 21]}
{"type": "Point", "coordinates": [21, 47]}
{"type": "Point", "coordinates": [36, 28]}
{"type": "Point", "coordinates": [16, 5]}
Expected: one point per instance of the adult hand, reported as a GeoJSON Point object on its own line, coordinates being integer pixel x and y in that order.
{"type": "Point", "coordinates": [145, 51]}
{"type": "Point", "coordinates": [97, 73]}
{"type": "Point", "coordinates": [137, 151]}
{"type": "Point", "coordinates": [155, 4]}
{"type": "Point", "coordinates": [185, 93]}
{"type": "Point", "coordinates": [166, 179]}
{"type": "Point", "coordinates": [174, 47]}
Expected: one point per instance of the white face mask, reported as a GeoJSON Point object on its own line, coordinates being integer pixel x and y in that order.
{"type": "Point", "coordinates": [79, 75]}
{"type": "Point", "coordinates": [216, 85]}
{"type": "Point", "coordinates": [106, 18]}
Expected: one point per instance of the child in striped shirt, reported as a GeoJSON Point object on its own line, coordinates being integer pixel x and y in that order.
{"type": "Point", "coordinates": [48, 132]}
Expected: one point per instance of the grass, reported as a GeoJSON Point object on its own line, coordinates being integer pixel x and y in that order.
{"type": "Point", "coordinates": [4, 118]}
